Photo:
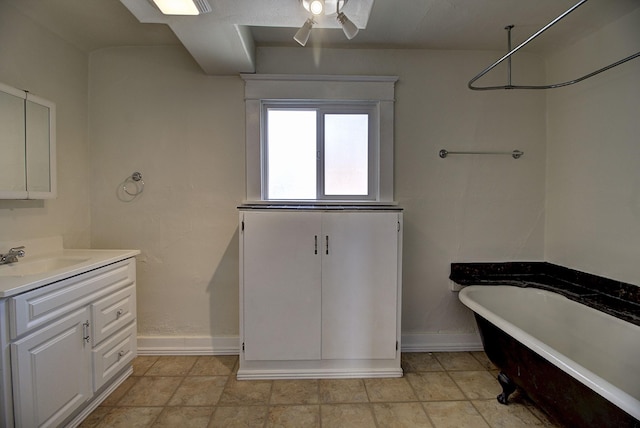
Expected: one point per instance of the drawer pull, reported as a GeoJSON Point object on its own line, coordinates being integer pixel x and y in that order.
{"type": "Point", "coordinates": [85, 331]}
{"type": "Point", "coordinates": [121, 354]}
{"type": "Point", "coordinates": [119, 313]}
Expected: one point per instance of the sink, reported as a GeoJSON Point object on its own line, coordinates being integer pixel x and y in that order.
{"type": "Point", "coordinates": [38, 266]}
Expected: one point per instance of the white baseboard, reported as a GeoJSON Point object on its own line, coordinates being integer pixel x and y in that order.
{"type": "Point", "coordinates": [441, 342]}
{"type": "Point", "coordinates": [230, 345]}
{"type": "Point", "coordinates": [191, 345]}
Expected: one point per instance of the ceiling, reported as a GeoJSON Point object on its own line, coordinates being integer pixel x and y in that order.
{"type": "Point", "coordinates": [224, 41]}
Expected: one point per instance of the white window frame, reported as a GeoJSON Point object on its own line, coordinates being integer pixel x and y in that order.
{"type": "Point", "coordinates": [322, 108]}
{"type": "Point", "coordinates": [265, 89]}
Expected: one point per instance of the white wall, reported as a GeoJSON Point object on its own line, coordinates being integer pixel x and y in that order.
{"type": "Point", "coordinates": [464, 208]}
{"type": "Point", "coordinates": [593, 181]}
{"type": "Point", "coordinates": [152, 110]}
{"type": "Point", "coordinates": [34, 59]}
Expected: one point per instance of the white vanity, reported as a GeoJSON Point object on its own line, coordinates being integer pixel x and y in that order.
{"type": "Point", "coordinates": [67, 334]}
{"type": "Point", "coordinates": [320, 292]}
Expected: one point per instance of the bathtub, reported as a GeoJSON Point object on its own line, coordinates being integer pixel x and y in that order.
{"type": "Point", "coordinates": [580, 365]}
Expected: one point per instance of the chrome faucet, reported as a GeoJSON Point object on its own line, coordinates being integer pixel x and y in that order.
{"type": "Point", "coordinates": [12, 255]}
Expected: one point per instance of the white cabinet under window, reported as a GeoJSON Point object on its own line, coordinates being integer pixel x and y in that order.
{"type": "Point", "coordinates": [320, 293]}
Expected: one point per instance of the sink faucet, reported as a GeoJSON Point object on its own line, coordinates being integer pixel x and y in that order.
{"type": "Point", "coordinates": [12, 255]}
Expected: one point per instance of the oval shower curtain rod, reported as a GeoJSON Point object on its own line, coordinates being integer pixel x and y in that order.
{"type": "Point", "coordinates": [514, 50]}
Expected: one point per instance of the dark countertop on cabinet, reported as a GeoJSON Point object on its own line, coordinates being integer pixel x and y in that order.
{"type": "Point", "coordinates": [616, 298]}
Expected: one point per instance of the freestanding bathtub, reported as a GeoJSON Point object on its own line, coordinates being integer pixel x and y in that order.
{"type": "Point", "coordinates": [580, 365]}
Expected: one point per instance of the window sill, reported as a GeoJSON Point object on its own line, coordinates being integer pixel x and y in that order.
{"type": "Point", "coordinates": [319, 205]}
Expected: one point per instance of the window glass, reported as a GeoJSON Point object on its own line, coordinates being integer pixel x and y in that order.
{"type": "Point", "coordinates": [346, 154]}
{"type": "Point", "coordinates": [317, 152]}
{"type": "Point", "coordinates": [291, 154]}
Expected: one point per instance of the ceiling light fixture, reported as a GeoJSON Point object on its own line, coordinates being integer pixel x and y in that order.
{"type": "Point", "coordinates": [302, 35]}
{"type": "Point", "coordinates": [323, 7]}
{"type": "Point", "coordinates": [349, 28]}
{"type": "Point", "coordinates": [183, 7]}
{"type": "Point", "coordinates": [316, 7]}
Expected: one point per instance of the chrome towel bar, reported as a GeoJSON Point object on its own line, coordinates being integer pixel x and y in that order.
{"type": "Point", "coordinates": [516, 154]}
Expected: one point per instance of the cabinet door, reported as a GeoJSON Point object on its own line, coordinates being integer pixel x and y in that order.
{"type": "Point", "coordinates": [281, 285]}
{"type": "Point", "coordinates": [51, 372]}
{"type": "Point", "coordinates": [359, 285]}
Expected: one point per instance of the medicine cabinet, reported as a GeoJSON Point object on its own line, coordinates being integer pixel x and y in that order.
{"type": "Point", "coordinates": [27, 145]}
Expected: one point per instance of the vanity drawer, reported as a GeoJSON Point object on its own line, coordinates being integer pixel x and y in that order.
{"type": "Point", "coordinates": [113, 354]}
{"type": "Point", "coordinates": [112, 312]}
{"type": "Point", "coordinates": [42, 305]}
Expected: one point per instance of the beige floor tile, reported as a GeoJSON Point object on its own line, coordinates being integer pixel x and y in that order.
{"type": "Point", "coordinates": [130, 417]}
{"type": "Point", "coordinates": [95, 417]}
{"type": "Point", "coordinates": [303, 391]}
{"type": "Point", "coordinates": [514, 415]}
{"type": "Point", "coordinates": [483, 360]}
{"type": "Point", "coordinates": [343, 391]}
{"type": "Point", "coordinates": [115, 396]}
{"type": "Point", "coordinates": [458, 361]}
{"type": "Point", "coordinates": [454, 414]}
{"type": "Point", "coordinates": [434, 386]}
{"type": "Point", "coordinates": [172, 366]}
{"type": "Point", "coordinates": [142, 363]}
{"type": "Point", "coordinates": [347, 415]}
{"type": "Point", "coordinates": [389, 389]}
{"type": "Point", "coordinates": [239, 417]}
{"type": "Point", "coordinates": [244, 392]}
{"type": "Point", "coordinates": [199, 391]}
{"type": "Point", "coordinates": [420, 362]}
{"type": "Point", "coordinates": [401, 415]}
{"type": "Point", "coordinates": [214, 365]}
{"type": "Point", "coordinates": [191, 417]}
{"type": "Point", "coordinates": [477, 385]}
{"type": "Point", "coordinates": [294, 416]}
{"type": "Point", "coordinates": [151, 391]}
{"type": "Point", "coordinates": [183, 391]}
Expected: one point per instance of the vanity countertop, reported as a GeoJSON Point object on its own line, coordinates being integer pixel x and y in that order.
{"type": "Point", "coordinates": [35, 271]}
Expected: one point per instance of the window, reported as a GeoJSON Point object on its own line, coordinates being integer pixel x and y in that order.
{"type": "Point", "coordinates": [319, 138]}
{"type": "Point", "coordinates": [319, 151]}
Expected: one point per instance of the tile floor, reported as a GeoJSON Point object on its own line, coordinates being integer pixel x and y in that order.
{"type": "Point", "coordinates": [449, 389]}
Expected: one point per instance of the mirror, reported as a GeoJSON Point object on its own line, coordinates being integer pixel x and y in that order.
{"type": "Point", "coordinates": [12, 142]}
{"type": "Point", "coordinates": [27, 144]}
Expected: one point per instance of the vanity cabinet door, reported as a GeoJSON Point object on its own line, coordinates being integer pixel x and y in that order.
{"type": "Point", "coordinates": [281, 285]}
{"type": "Point", "coordinates": [359, 285]}
{"type": "Point", "coordinates": [52, 371]}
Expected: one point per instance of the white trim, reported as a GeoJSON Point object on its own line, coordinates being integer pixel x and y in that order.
{"type": "Point", "coordinates": [270, 87]}
{"type": "Point", "coordinates": [93, 404]}
{"type": "Point", "coordinates": [195, 345]}
{"type": "Point", "coordinates": [318, 373]}
{"type": "Point", "coordinates": [320, 77]}
{"type": "Point", "coordinates": [230, 345]}
{"type": "Point", "coordinates": [441, 342]}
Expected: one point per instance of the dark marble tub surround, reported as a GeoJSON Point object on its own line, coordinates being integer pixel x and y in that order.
{"type": "Point", "coordinates": [616, 298]}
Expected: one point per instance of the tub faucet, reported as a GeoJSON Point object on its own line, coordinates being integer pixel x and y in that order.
{"type": "Point", "coordinates": [12, 255]}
